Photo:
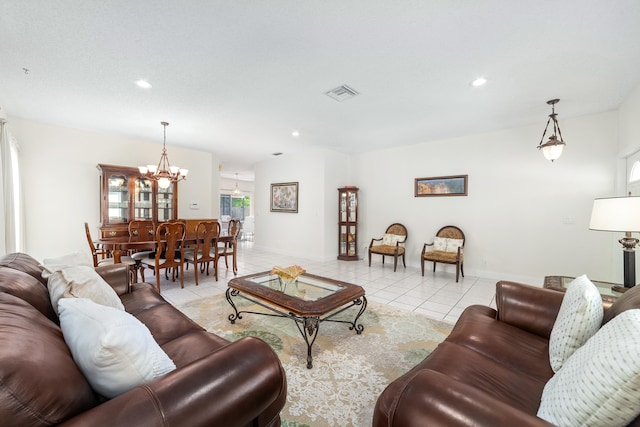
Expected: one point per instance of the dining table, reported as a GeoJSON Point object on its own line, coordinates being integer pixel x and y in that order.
{"type": "Point", "coordinates": [117, 245]}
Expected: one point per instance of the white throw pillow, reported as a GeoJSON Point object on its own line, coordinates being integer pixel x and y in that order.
{"type": "Point", "coordinates": [81, 282]}
{"type": "Point", "coordinates": [51, 265]}
{"type": "Point", "coordinates": [440, 244]}
{"type": "Point", "coordinates": [114, 350]}
{"type": "Point", "coordinates": [391, 239]}
{"type": "Point", "coordinates": [454, 244]}
{"type": "Point", "coordinates": [599, 385]}
{"type": "Point", "coordinates": [580, 317]}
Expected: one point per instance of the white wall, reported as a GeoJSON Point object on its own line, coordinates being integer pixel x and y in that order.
{"type": "Point", "coordinates": [524, 217]}
{"type": "Point", "coordinates": [312, 232]}
{"type": "Point", "coordinates": [61, 182]}
{"type": "Point", "coordinates": [629, 124]}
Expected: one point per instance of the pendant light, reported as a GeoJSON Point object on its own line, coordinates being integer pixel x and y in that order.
{"type": "Point", "coordinates": [552, 149]}
{"type": "Point", "coordinates": [164, 173]}
{"type": "Point", "coordinates": [236, 191]}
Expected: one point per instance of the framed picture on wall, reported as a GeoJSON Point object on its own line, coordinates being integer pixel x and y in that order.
{"type": "Point", "coordinates": [455, 185]}
{"type": "Point", "coordinates": [284, 197]}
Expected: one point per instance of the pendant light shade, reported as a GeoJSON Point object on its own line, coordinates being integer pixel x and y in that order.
{"type": "Point", "coordinates": [552, 149]}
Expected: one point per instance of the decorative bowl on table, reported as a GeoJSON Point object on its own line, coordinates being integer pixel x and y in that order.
{"type": "Point", "coordinates": [288, 275]}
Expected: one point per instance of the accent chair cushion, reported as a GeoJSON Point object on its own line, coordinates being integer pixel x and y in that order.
{"type": "Point", "coordinates": [454, 244]}
{"type": "Point", "coordinates": [579, 318]}
{"type": "Point", "coordinates": [440, 244]}
{"type": "Point", "coordinates": [114, 350]}
{"type": "Point", "coordinates": [81, 282]}
{"type": "Point", "coordinates": [599, 385]}
{"type": "Point", "coordinates": [391, 239]}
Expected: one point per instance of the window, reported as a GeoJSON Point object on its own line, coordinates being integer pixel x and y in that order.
{"type": "Point", "coordinates": [225, 204]}
{"type": "Point", "coordinates": [635, 172]}
{"type": "Point", "coordinates": [235, 207]}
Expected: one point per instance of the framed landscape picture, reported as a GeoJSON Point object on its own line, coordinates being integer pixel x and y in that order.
{"type": "Point", "coordinates": [284, 197]}
{"type": "Point", "coordinates": [455, 185]}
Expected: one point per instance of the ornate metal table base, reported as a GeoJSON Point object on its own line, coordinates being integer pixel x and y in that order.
{"type": "Point", "coordinates": [307, 325]}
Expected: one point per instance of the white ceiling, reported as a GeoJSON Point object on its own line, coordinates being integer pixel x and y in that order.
{"type": "Point", "coordinates": [236, 77]}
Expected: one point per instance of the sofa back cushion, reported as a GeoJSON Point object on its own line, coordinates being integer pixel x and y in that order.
{"type": "Point", "coordinates": [40, 384]}
{"type": "Point", "coordinates": [25, 263]}
{"type": "Point", "coordinates": [630, 299]}
{"type": "Point", "coordinates": [27, 288]}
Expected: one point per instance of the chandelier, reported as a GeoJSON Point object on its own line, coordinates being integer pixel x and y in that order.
{"type": "Point", "coordinates": [164, 173]}
{"type": "Point", "coordinates": [552, 149]}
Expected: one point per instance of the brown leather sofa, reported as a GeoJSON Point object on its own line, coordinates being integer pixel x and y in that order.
{"type": "Point", "coordinates": [491, 369]}
{"type": "Point", "coordinates": [216, 383]}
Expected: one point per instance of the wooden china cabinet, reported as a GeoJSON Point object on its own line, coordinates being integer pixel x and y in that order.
{"type": "Point", "coordinates": [125, 196]}
{"type": "Point", "coordinates": [348, 223]}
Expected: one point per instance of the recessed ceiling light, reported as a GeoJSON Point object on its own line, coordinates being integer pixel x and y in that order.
{"type": "Point", "coordinates": [277, 154]}
{"type": "Point", "coordinates": [295, 133]}
{"type": "Point", "coordinates": [479, 81]}
{"type": "Point", "coordinates": [143, 84]}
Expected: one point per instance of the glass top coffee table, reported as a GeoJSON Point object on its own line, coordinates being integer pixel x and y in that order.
{"type": "Point", "coordinates": [308, 301]}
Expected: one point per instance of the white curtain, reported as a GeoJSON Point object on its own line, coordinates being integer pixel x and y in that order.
{"type": "Point", "coordinates": [11, 215]}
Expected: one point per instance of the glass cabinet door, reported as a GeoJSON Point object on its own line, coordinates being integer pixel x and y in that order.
{"type": "Point", "coordinates": [352, 205]}
{"type": "Point", "coordinates": [143, 199]}
{"type": "Point", "coordinates": [165, 202]}
{"type": "Point", "coordinates": [351, 240]}
{"type": "Point", "coordinates": [343, 207]}
{"type": "Point", "coordinates": [118, 199]}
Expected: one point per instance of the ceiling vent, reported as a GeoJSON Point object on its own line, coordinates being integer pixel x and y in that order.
{"type": "Point", "coordinates": [342, 93]}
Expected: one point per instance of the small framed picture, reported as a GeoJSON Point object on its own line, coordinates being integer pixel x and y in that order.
{"type": "Point", "coordinates": [284, 197]}
{"type": "Point", "coordinates": [455, 185]}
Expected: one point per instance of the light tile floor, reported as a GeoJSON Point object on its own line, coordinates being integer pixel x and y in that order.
{"type": "Point", "coordinates": [436, 294]}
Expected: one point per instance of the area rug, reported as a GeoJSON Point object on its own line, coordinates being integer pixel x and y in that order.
{"type": "Point", "coordinates": [349, 370]}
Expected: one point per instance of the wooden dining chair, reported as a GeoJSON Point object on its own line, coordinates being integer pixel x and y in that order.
{"type": "Point", "coordinates": [206, 250]}
{"type": "Point", "coordinates": [169, 252]}
{"type": "Point", "coordinates": [141, 231]}
{"type": "Point", "coordinates": [101, 256]}
{"type": "Point", "coordinates": [229, 248]}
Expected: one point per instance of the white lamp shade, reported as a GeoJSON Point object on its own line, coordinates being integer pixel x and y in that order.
{"type": "Point", "coordinates": [616, 214]}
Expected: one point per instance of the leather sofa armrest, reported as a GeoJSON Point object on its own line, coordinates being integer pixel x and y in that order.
{"type": "Point", "coordinates": [230, 387]}
{"type": "Point", "coordinates": [435, 399]}
{"type": "Point", "coordinates": [116, 275]}
{"type": "Point", "coordinates": [527, 307]}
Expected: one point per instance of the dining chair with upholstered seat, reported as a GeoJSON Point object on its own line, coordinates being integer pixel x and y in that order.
{"type": "Point", "coordinates": [206, 250]}
{"type": "Point", "coordinates": [101, 256]}
{"type": "Point", "coordinates": [448, 248]}
{"type": "Point", "coordinates": [141, 231]}
{"type": "Point", "coordinates": [169, 252]}
{"type": "Point", "coordinates": [391, 244]}
{"type": "Point", "coordinates": [229, 248]}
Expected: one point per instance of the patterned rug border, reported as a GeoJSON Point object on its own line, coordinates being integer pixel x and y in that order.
{"type": "Point", "coordinates": [347, 376]}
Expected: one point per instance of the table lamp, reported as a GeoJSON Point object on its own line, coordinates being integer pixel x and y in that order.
{"type": "Point", "coordinates": [620, 214]}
